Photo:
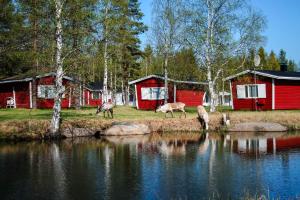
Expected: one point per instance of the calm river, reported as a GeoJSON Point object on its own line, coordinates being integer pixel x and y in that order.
{"type": "Point", "coordinates": [169, 166]}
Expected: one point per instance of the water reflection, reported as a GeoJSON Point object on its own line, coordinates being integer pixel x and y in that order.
{"type": "Point", "coordinates": [158, 166]}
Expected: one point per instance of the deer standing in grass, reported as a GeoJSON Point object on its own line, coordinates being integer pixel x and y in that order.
{"type": "Point", "coordinates": [106, 107]}
{"type": "Point", "coordinates": [170, 107]}
{"type": "Point", "coordinates": [203, 117]}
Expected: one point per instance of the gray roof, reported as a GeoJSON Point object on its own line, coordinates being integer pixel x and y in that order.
{"type": "Point", "coordinates": [29, 77]}
{"type": "Point", "coordinates": [95, 86]}
{"type": "Point", "coordinates": [162, 78]}
{"type": "Point", "coordinates": [270, 74]}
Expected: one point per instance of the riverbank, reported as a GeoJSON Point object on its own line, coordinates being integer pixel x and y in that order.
{"type": "Point", "coordinates": [85, 123]}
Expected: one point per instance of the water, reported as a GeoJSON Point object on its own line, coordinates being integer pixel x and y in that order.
{"type": "Point", "coordinates": [169, 166]}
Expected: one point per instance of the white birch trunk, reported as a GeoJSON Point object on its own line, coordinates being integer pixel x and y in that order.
{"type": "Point", "coordinates": [166, 79]}
{"type": "Point", "coordinates": [59, 90]}
{"type": "Point", "coordinates": [115, 84]}
{"type": "Point", "coordinates": [111, 87]}
{"type": "Point", "coordinates": [105, 92]}
{"type": "Point", "coordinates": [123, 92]}
{"type": "Point", "coordinates": [209, 60]}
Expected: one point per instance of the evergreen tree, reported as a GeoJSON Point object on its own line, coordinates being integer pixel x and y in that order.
{"type": "Point", "coordinates": [249, 63]}
{"type": "Point", "coordinates": [183, 66]}
{"type": "Point", "coordinates": [273, 63]}
{"type": "Point", "coordinates": [130, 26]}
{"type": "Point", "coordinates": [282, 57]}
{"type": "Point", "coordinates": [148, 54]}
{"type": "Point", "coordinates": [263, 60]}
{"type": "Point", "coordinates": [12, 58]}
{"type": "Point", "coordinates": [292, 66]}
{"type": "Point", "coordinates": [38, 29]}
{"type": "Point", "coordinates": [79, 18]}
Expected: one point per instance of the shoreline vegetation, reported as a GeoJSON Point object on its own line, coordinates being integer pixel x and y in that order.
{"type": "Point", "coordinates": [23, 124]}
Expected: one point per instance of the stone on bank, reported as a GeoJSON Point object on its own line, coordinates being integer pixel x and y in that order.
{"type": "Point", "coordinates": [258, 127]}
{"type": "Point", "coordinates": [127, 128]}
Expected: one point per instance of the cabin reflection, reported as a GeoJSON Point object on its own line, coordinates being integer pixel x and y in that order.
{"type": "Point", "coordinates": [253, 145]}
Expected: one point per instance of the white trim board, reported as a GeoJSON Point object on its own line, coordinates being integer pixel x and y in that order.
{"type": "Point", "coordinates": [162, 78]}
{"type": "Point", "coordinates": [273, 94]}
{"type": "Point", "coordinates": [136, 97]}
{"type": "Point", "coordinates": [261, 74]}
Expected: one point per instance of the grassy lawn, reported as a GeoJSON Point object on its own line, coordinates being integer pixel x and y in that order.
{"type": "Point", "coordinates": [120, 112]}
{"type": "Point", "coordinates": [129, 113]}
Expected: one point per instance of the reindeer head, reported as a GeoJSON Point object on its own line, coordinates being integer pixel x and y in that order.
{"type": "Point", "coordinates": [99, 109]}
{"type": "Point", "coordinates": [158, 109]}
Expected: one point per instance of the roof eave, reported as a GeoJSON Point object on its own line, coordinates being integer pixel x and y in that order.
{"type": "Point", "coordinates": [17, 80]}
{"type": "Point", "coordinates": [54, 74]}
{"type": "Point", "coordinates": [162, 78]}
{"type": "Point", "coordinates": [261, 74]}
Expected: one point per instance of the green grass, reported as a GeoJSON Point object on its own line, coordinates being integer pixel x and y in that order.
{"type": "Point", "coordinates": [120, 112]}
{"type": "Point", "coordinates": [129, 113]}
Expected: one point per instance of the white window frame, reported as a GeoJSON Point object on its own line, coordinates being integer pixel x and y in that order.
{"type": "Point", "coordinates": [42, 94]}
{"type": "Point", "coordinates": [260, 94]}
{"type": "Point", "coordinates": [248, 91]}
{"type": "Point", "coordinates": [94, 97]}
{"type": "Point", "coordinates": [151, 94]}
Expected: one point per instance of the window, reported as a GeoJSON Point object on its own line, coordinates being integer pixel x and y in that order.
{"type": "Point", "coordinates": [251, 91]}
{"type": "Point", "coordinates": [153, 93]}
{"type": "Point", "coordinates": [95, 95]}
{"type": "Point", "coordinates": [47, 91]}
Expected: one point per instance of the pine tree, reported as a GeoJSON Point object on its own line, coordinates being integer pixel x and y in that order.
{"type": "Point", "coordinates": [148, 54]}
{"type": "Point", "coordinates": [38, 26]}
{"type": "Point", "coordinates": [263, 61]}
{"type": "Point", "coordinates": [282, 57]}
{"type": "Point", "coordinates": [130, 26]}
{"type": "Point", "coordinates": [273, 63]}
{"type": "Point", "coordinates": [12, 59]}
{"type": "Point", "coordinates": [292, 66]}
{"type": "Point", "coordinates": [249, 63]}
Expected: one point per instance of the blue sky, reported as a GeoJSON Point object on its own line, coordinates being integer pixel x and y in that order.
{"type": "Point", "coordinates": [283, 24]}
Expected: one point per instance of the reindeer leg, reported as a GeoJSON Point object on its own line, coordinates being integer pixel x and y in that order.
{"type": "Point", "coordinates": [112, 113]}
{"type": "Point", "coordinates": [172, 114]}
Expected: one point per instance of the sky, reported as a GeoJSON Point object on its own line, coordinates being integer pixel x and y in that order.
{"type": "Point", "coordinates": [283, 25]}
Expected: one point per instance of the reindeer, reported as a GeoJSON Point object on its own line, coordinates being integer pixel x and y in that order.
{"type": "Point", "coordinates": [203, 117]}
{"type": "Point", "coordinates": [170, 107]}
{"type": "Point", "coordinates": [106, 107]}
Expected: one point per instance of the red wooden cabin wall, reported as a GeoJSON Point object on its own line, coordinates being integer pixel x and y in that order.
{"type": "Point", "coordinates": [249, 104]}
{"type": "Point", "coordinates": [21, 92]}
{"type": "Point", "coordinates": [48, 103]}
{"type": "Point", "coordinates": [151, 104]}
{"type": "Point", "coordinates": [23, 95]}
{"type": "Point", "coordinates": [287, 94]}
{"type": "Point", "coordinates": [190, 97]}
{"type": "Point", "coordinates": [89, 101]}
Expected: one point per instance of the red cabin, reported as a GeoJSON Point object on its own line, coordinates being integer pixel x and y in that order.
{"type": "Point", "coordinates": [38, 92]}
{"type": "Point", "coordinates": [265, 90]}
{"type": "Point", "coordinates": [150, 92]}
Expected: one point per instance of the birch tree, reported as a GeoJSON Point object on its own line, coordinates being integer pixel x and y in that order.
{"type": "Point", "coordinates": [167, 23]}
{"type": "Point", "coordinates": [105, 55]}
{"type": "Point", "coordinates": [59, 89]}
{"type": "Point", "coordinates": [218, 30]}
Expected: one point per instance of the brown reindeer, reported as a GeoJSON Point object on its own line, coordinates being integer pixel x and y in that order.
{"type": "Point", "coordinates": [106, 107]}
{"type": "Point", "coordinates": [203, 117]}
{"type": "Point", "coordinates": [170, 107]}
